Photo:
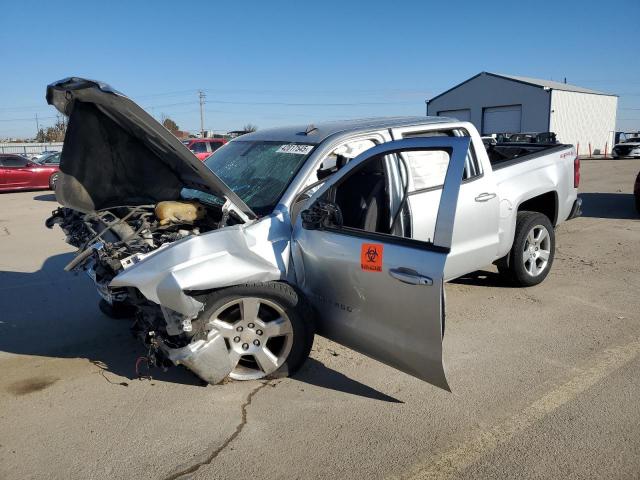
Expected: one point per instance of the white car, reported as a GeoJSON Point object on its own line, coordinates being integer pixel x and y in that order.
{"type": "Point", "coordinates": [629, 148]}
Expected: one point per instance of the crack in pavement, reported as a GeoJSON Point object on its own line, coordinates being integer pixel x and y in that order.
{"type": "Point", "coordinates": [212, 455]}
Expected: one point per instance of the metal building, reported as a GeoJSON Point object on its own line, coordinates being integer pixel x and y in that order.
{"type": "Point", "coordinates": [497, 103]}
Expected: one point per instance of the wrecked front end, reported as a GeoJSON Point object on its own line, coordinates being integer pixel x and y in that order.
{"type": "Point", "coordinates": [155, 229]}
{"type": "Point", "coordinates": [159, 274]}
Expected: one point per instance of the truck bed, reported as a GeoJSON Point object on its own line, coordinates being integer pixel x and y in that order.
{"type": "Point", "coordinates": [505, 154]}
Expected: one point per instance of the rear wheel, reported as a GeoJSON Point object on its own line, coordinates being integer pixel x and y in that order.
{"type": "Point", "coordinates": [532, 253]}
{"type": "Point", "coordinates": [267, 327]}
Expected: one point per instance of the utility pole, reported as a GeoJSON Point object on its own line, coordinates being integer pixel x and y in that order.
{"type": "Point", "coordinates": [37, 125]}
{"type": "Point", "coordinates": [201, 97]}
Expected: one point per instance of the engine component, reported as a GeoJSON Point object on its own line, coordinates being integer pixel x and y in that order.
{"type": "Point", "coordinates": [179, 212]}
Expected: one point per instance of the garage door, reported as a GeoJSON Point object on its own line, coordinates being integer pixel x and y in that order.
{"type": "Point", "coordinates": [501, 119]}
{"type": "Point", "coordinates": [463, 115]}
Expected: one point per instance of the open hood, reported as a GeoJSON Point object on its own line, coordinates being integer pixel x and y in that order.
{"type": "Point", "coordinates": [115, 153]}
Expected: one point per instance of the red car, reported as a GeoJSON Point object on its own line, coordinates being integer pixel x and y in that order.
{"type": "Point", "coordinates": [18, 173]}
{"type": "Point", "coordinates": [203, 147]}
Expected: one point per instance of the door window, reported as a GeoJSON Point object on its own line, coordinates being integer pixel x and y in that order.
{"type": "Point", "coordinates": [340, 156]}
{"type": "Point", "coordinates": [428, 168]}
{"type": "Point", "coordinates": [14, 162]}
{"type": "Point", "coordinates": [368, 198]}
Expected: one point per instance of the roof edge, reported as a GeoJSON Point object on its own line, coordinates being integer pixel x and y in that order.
{"type": "Point", "coordinates": [524, 82]}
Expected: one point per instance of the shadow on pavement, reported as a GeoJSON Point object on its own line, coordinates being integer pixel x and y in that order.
{"type": "Point", "coordinates": [316, 373]}
{"type": "Point", "coordinates": [55, 314]}
{"type": "Point", "coordinates": [52, 313]}
{"type": "Point", "coordinates": [49, 197]}
{"type": "Point", "coordinates": [483, 278]}
{"type": "Point", "coordinates": [609, 205]}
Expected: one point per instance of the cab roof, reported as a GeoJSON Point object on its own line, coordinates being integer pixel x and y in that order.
{"type": "Point", "coordinates": [317, 132]}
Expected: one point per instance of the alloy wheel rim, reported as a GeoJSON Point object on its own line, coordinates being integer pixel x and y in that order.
{"type": "Point", "coordinates": [537, 250]}
{"type": "Point", "coordinates": [258, 334]}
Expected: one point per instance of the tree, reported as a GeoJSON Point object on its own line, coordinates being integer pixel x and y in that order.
{"type": "Point", "coordinates": [170, 125]}
{"type": "Point", "coordinates": [55, 133]}
{"type": "Point", "coordinates": [250, 127]}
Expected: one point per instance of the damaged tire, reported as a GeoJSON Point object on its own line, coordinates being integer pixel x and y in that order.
{"type": "Point", "coordinates": [267, 327]}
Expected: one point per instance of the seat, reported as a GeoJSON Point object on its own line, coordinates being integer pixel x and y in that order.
{"type": "Point", "coordinates": [361, 199]}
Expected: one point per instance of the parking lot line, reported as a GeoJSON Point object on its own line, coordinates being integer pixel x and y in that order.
{"type": "Point", "coordinates": [454, 461]}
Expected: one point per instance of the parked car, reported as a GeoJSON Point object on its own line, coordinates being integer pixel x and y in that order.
{"type": "Point", "coordinates": [50, 159]}
{"type": "Point", "coordinates": [233, 264]}
{"type": "Point", "coordinates": [19, 173]}
{"type": "Point", "coordinates": [43, 155]}
{"type": "Point", "coordinates": [203, 147]}
{"type": "Point", "coordinates": [636, 192]}
{"type": "Point", "coordinates": [629, 148]}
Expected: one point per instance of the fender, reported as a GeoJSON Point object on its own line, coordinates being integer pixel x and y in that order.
{"type": "Point", "coordinates": [233, 255]}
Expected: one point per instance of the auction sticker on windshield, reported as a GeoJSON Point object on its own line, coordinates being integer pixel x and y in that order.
{"type": "Point", "coordinates": [295, 149]}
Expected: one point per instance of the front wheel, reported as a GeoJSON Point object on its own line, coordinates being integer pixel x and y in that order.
{"type": "Point", "coordinates": [532, 253]}
{"type": "Point", "coordinates": [267, 327]}
{"type": "Point", "coordinates": [53, 179]}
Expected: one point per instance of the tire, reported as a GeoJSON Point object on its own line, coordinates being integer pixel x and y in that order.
{"type": "Point", "coordinates": [526, 264]}
{"type": "Point", "coordinates": [117, 310]}
{"type": "Point", "coordinates": [53, 179]}
{"type": "Point", "coordinates": [278, 303]}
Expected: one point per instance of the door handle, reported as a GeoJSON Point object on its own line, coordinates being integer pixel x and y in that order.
{"type": "Point", "coordinates": [485, 197]}
{"type": "Point", "coordinates": [407, 275]}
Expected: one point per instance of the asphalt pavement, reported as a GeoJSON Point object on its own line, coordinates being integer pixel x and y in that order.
{"type": "Point", "coordinates": [545, 379]}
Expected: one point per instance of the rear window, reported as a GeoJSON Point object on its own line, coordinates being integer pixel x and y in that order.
{"type": "Point", "coordinates": [215, 145]}
{"type": "Point", "coordinates": [199, 147]}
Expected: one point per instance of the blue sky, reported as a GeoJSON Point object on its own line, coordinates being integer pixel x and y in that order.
{"type": "Point", "coordinates": [281, 62]}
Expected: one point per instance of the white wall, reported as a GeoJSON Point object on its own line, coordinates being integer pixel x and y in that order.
{"type": "Point", "coordinates": [489, 91]}
{"type": "Point", "coordinates": [29, 148]}
{"type": "Point", "coordinates": [583, 118]}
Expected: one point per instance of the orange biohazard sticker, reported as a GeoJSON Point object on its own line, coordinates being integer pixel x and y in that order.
{"type": "Point", "coordinates": [371, 256]}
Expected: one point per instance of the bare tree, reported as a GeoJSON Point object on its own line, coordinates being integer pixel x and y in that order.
{"type": "Point", "coordinates": [250, 127]}
{"type": "Point", "coordinates": [55, 133]}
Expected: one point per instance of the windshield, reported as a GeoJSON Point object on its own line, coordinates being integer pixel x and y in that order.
{"type": "Point", "coordinates": [258, 171]}
{"type": "Point", "coordinates": [53, 158]}
{"type": "Point", "coordinates": [632, 140]}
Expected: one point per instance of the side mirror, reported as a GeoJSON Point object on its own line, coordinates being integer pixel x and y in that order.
{"type": "Point", "coordinates": [321, 215]}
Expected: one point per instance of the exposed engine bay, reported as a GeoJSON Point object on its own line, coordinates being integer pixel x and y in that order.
{"type": "Point", "coordinates": [115, 238]}
{"type": "Point", "coordinates": [112, 240]}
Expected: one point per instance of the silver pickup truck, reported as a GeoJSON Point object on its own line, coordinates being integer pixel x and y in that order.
{"type": "Point", "coordinates": [346, 229]}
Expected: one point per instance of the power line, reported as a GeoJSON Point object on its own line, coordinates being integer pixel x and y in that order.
{"type": "Point", "coordinates": [24, 119]}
